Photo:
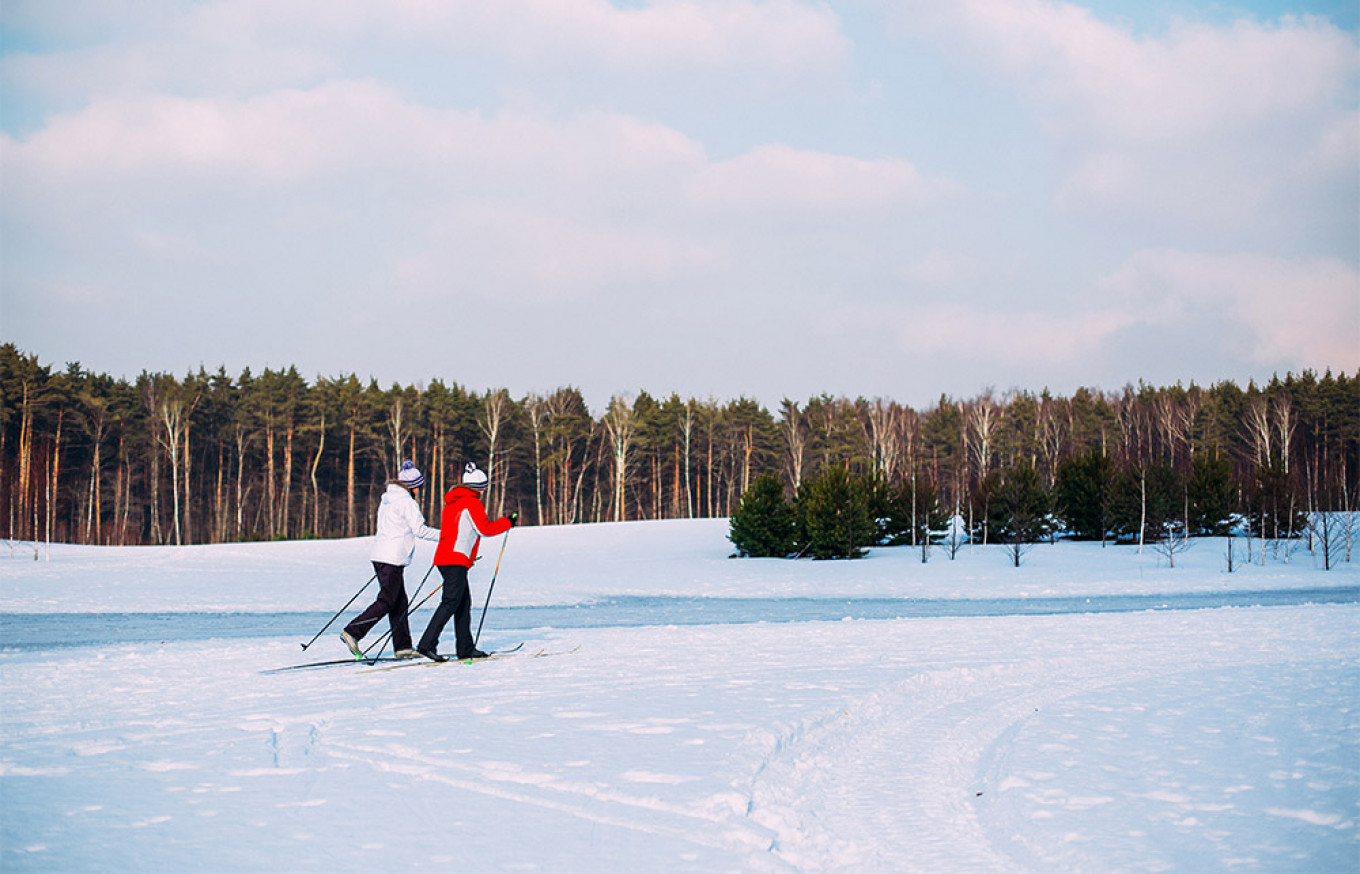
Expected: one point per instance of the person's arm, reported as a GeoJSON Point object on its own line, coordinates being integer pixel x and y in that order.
{"type": "Point", "coordinates": [485, 526]}
{"type": "Point", "coordinates": [416, 519]}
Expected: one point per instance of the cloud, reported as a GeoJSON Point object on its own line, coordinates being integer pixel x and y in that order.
{"type": "Point", "coordinates": [1194, 80]}
{"type": "Point", "coordinates": [488, 250]}
{"type": "Point", "coordinates": [936, 268]}
{"type": "Point", "coordinates": [780, 36]}
{"type": "Point", "coordinates": [439, 198]}
{"type": "Point", "coordinates": [1200, 125]}
{"type": "Point", "coordinates": [292, 136]}
{"type": "Point", "coordinates": [1160, 313]}
{"type": "Point", "coordinates": [244, 47]}
{"type": "Point", "coordinates": [776, 179]}
{"type": "Point", "coordinates": [1286, 312]}
{"type": "Point", "coordinates": [615, 168]}
{"type": "Point", "coordinates": [1002, 338]}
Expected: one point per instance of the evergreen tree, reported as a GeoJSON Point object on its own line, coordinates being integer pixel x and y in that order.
{"type": "Point", "coordinates": [1213, 495]}
{"type": "Point", "coordinates": [1083, 494]}
{"type": "Point", "coordinates": [1020, 510]}
{"type": "Point", "coordinates": [837, 514]}
{"type": "Point", "coordinates": [763, 525]}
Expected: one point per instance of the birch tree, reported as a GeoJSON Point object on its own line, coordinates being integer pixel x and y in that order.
{"type": "Point", "coordinates": [687, 423]}
{"type": "Point", "coordinates": [492, 420]}
{"type": "Point", "coordinates": [396, 430]}
{"type": "Point", "coordinates": [536, 406]}
{"type": "Point", "coordinates": [883, 430]}
{"type": "Point", "coordinates": [171, 410]}
{"type": "Point", "coordinates": [982, 418]}
{"type": "Point", "coordinates": [96, 418]}
{"type": "Point", "coordinates": [793, 426]}
{"type": "Point", "coordinates": [619, 424]}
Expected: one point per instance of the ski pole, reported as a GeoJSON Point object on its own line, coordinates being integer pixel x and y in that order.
{"type": "Point", "coordinates": [382, 641]}
{"type": "Point", "coordinates": [342, 610]}
{"type": "Point", "coordinates": [478, 636]}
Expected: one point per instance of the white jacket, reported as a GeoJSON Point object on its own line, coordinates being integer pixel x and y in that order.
{"type": "Point", "coordinates": [400, 522]}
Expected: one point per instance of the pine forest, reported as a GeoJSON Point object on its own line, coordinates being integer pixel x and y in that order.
{"type": "Point", "coordinates": [210, 458]}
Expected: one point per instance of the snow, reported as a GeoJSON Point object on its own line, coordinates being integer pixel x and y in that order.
{"type": "Point", "coordinates": [580, 563]}
{"type": "Point", "coordinates": [1182, 740]}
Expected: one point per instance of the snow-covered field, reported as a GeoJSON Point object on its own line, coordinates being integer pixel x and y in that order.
{"type": "Point", "coordinates": [1194, 740]}
{"type": "Point", "coordinates": [575, 564]}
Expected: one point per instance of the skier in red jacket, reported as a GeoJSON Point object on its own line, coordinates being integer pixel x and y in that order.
{"type": "Point", "coordinates": [462, 527]}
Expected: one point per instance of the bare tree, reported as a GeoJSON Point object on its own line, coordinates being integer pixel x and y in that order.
{"type": "Point", "coordinates": [289, 430]}
{"type": "Point", "coordinates": [96, 418]}
{"type": "Point", "coordinates": [1054, 430]}
{"type": "Point", "coordinates": [242, 437]}
{"type": "Point", "coordinates": [619, 424]}
{"type": "Point", "coordinates": [171, 414]}
{"type": "Point", "coordinates": [983, 417]}
{"type": "Point", "coordinates": [885, 436]}
{"type": "Point", "coordinates": [152, 400]}
{"type": "Point", "coordinates": [687, 435]}
{"type": "Point", "coordinates": [1175, 427]}
{"type": "Point", "coordinates": [396, 415]}
{"type": "Point", "coordinates": [910, 428]}
{"type": "Point", "coordinates": [1135, 434]}
{"type": "Point", "coordinates": [316, 490]}
{"type": "Point", "coordinates": [1171, 540]}
{"type": "Point", "coordinates": [354, 407]}
{"type": "Point", "coordinates": [1285, 423]}
{"type": "Point", "coordinates": [1332, 530]}
{"type": "Point", "coordinates": [537, 408]}
{"type": "Point", "coordinates": [793, 425]}
{"type": "Point", "coordinates": [492, 419]}
{"type": "Point", "coordinates": [1259, 432]}
{"type": "Point", "coordinates": [26, 453]}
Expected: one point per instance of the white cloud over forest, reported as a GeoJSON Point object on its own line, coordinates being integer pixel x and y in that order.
{"type": "Point", "coordinates": [1119, 203]}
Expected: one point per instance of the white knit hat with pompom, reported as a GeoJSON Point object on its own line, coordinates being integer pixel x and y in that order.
{"type": "Point", "coordinates": [473, 478]}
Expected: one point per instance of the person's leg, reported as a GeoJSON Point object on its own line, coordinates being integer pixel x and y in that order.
{"type": "Point", "coordinates": [390, 588]}
{"type": "Point", "coordinates": [455, 586]}
{"type": "Point", "coordinates": [462, 621]}
{"type": "Point", "coordinates": [396, 617]}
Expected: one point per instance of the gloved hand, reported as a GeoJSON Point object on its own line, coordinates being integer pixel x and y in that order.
{"type": "Point", "coordinates": [514, 519]}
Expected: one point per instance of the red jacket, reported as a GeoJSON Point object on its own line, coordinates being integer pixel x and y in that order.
{"type": "Point", "coordinates": [462, 526]}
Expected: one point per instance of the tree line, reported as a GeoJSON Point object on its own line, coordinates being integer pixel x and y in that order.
{"type": "Point", "coordinates": [207, 457]}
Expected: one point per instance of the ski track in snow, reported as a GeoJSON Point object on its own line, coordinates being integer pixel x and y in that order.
{"type": "Point", "coordinates": [968, 750]}
{"type": "Point", "coordinates": [1202, 740]}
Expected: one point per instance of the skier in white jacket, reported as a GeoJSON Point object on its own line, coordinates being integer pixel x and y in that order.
{"type": "Point", "coordinates": [400, 522]}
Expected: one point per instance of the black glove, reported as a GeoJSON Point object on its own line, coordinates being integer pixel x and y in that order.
{"type": "Point", "coordinates": [514, 519]}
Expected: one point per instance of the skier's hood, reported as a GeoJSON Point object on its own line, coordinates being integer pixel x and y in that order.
{"type": "Point", "coordinates": [459, 491]}
{"type": "Point", "coordinates": [394, 492]}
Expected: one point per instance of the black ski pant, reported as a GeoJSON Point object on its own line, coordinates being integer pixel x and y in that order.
{"type": "Point", "coordinates": [455, 601]}
{"type": "Point", "coordinates": [391, 603]}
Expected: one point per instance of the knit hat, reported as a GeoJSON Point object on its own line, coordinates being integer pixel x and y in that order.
{"type": "Point", "coordinates": [409, 476]}
{"type": "Point", "coordinates": [473, 478]}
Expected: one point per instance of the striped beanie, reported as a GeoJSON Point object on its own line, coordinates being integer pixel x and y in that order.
{"type": "Point", "coordinates": [473, 478]}
{"type": "Point", "coordinates": [409, 476]}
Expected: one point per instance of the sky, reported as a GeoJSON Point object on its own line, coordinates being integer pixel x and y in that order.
{"type": "Point", "coordinates": [718, 199]}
